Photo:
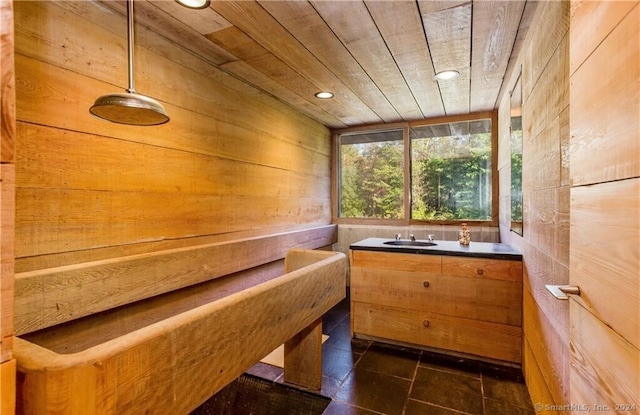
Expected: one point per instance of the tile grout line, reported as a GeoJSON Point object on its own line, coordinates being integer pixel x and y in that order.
{"type": "Point", "coordinates": [413, 379]}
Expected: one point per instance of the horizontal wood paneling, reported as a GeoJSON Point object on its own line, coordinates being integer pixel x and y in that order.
{"type": "Point", "coordinates": [547, 365]}
{"type": "Point", "coordinates": [591, 23]}
{"type": "Point", "coordinates": [548, 29]}
{"type": "Point", "coordinates": [605, 253]}
{"type": "Point", "coordinates": [231, 163]}
{"type": "Point", "coordinates": [537, 390]}
{"type": "Point", "coordinates": [146, 192]}
{"type": "Point", "coordinates": [93, 330]}
{"type": "Point", "coordinates": [67, 108]}
{"type": "Point", "coordinates": [495, 301]}
{"type": "Point", "coordinates": [546, 200]}
{"type": "Point", "coordinates": [605, 205]}
{"type": "Point", "coordinates": [440, 331]}
{"type": "Point", "coordinates": [48, 297]}
{"type": "Point", "coordinates": [548, 223]}
{"type": "Point", "coordinates": [545, 102]}
{"type": "Point", "coordinates": [446, 302]}
{"type": "Point", "coordinates": [605, 367]}
{"type": "Point", "coordinates": [605, 127]}
{"type": "Point", "coordinates": [95, 219]}
{"type": "Point", "coordinates": [424, 264]}
{"type": "Point", "coordinates": [482, 268]}
{"type": "Point", "coordinates": [185, 80]}
{"type": "Point", "coordinates": [51, 158]}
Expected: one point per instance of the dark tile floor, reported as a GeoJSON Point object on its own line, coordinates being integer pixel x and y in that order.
{"type": "Point", "coordinates": [366, 378]}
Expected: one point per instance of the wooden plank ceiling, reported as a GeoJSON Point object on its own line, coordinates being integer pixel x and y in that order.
{"type": "Point", "coordinates": [379, 58]}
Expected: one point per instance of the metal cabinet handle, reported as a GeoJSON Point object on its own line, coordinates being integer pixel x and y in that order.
{"type": "Point", "coordinates": [562, 292]}
{"type": "Point", "coordinates": [480, 271]}
{"type": "Point", "coordinates": [426, 284]}
{"type": "Point", "coordinates": [425, 323]}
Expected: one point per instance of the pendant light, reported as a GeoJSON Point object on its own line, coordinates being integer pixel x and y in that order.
{"type": "Point", "coordinates": [130, 107]}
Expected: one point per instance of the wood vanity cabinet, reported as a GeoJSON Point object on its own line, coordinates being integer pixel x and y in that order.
{"type": "Point", "coordinates": [462, 304]}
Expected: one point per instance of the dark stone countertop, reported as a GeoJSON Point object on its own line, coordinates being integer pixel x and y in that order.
{"type": "Point", "coordinates": [451, 248]}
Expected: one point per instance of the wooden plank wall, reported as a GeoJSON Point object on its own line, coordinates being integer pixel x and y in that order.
{"type": "Point", "coordinates": [7, 192]}
{"type": "Point", "coordinates": [231, 163]}
{"type": "Point", "coordinates": [605, 203]}
{"type": "Point", "coordinates": [544, 60]}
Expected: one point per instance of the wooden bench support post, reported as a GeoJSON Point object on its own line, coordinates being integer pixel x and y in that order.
{"type": "Point", "coordinates": [303, 357]}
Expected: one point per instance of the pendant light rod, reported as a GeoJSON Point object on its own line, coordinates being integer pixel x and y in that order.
{"type": "Point", "coordinates": [130, 107]}
{"type": "Point", "coordinates": [131, 88]}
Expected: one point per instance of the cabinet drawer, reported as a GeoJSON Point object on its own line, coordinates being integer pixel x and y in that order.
{"type": "Point", "coordinates": [396, 261]}
{"type": "Point", "coordinates": [482, 299]}
{"type": "Point", "coordinates": [498, 269]}
{"type": "Point", "coordinates": [497, 341]}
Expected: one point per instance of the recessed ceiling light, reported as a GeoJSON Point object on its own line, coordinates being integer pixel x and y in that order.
{"type": "Point", "coordinates": [195, 4]}
{"type": "Point", "coordinates": [446, 75]}
{"type": "Point", "coordinates": [324, 95]}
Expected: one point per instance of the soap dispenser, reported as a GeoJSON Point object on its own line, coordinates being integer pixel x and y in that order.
{"type": "Point", "coordinates": [464, 236]}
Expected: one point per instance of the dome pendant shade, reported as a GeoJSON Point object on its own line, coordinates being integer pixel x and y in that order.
{"type": "Point", "coordinates": [130, 107]}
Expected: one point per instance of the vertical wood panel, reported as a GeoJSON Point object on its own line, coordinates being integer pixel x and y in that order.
{"type": "Point", "coordinates": [7, 276]}
{"type": "Point", "coordinates": [7, 83]}
{"type": "Point", "coordinates": [8, 387]}
{"type": "Point", "coordinates": [7, 207]}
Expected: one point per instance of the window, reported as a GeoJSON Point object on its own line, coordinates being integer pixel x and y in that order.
{"type": "Point", "coordinates": [372, 175]}
{"type": "Point", "coordinates": [451, 171]}
{"type": "Point", "coordinates": [435, 172]}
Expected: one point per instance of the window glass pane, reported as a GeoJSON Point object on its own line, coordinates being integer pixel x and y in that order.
{"type": "Point", "coordinates": [451, 171]}
{"type": "Point", "coordinates": [371, 175]}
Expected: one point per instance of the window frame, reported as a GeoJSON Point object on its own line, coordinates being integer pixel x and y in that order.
{"type": "Point", "coordinates": [405, 126]}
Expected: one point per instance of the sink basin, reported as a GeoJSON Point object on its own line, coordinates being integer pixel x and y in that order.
{"type": "Point", "coordinates": [410, 243]}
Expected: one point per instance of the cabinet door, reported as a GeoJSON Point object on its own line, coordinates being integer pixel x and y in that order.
{"type": "Point", "coordinates": [480, 338]}
{"type": "Point", "coordinates": [397, 261]}
{"type": "Point", "coordinates": [485, 268]}
{"type": "Point", "coordinates": [486, 300]}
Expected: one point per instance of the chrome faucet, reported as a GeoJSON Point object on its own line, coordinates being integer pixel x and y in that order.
{"type": "Point", "coordinates": [412, 237]}
{"type": "Point", "coordinates": [430, 238]}
{"type": "Point", "coordinates": [398, 236]}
